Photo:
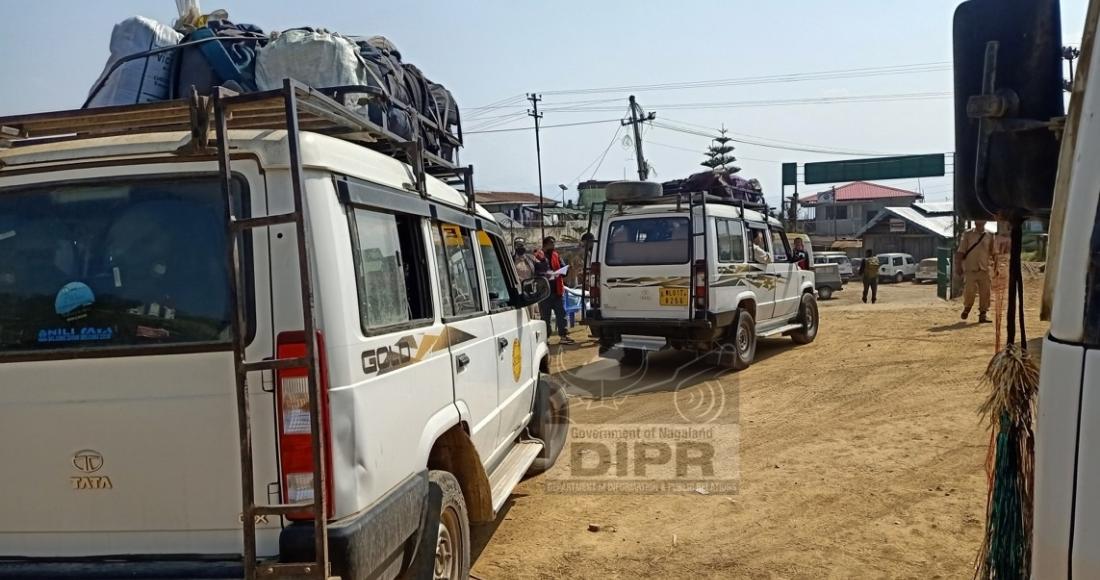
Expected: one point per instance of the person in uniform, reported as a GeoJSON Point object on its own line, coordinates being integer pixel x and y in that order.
{"type": "Point", "coordinates": [525, 262]}
{"type": "Point", "coordinates": [976, 257]}
{"type": "Point", "coordinates": [868, 271]}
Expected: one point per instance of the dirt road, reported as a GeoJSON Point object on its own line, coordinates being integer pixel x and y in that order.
{"type": "Point", "coordinates": [861, 456]}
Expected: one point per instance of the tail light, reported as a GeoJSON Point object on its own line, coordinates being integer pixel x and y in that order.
{"type": "Point", "coordinates": [699, 282]}
{"type": "Point", "coordinates": [295, 433]}
{"type": "Point", "coordinates": [594, 284]}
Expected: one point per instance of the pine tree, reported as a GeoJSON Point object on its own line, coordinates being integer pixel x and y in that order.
{"type": "Point", "coordinates": [718, 154]}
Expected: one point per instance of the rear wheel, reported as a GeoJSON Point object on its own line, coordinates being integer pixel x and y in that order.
{"type": "Point", "coordinates": [739, 348]}
{"type": "Point", "coordinates": [899, 277]}
{"type": "Point", "coordinates": [825, 292]}
{"type": "Point", "coordinates": [807, 316]}
{"type": "Point", "coordinates": [452, 544]}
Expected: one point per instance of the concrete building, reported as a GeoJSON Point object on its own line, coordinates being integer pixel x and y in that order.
{"type": "Point", "coordinates": [843, 212]}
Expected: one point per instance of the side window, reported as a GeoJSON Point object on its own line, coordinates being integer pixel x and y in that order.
{"type": "Point", "coordinates": [458, 281]}
{"type": "Point", "coordinates": [758, 237]}
{"type": "Point", "coordinates": [909, 260]}
{"type": "Point", "coordinates": [780, 248]}
{"type": "Point", "coordinates": [391, 271]}
{"type": "Point", "coordinates": [498, 276]}
{"type": "Point", "coordinates": [722, 235]}
{"type": "Point", "coordinates": [897, 260]}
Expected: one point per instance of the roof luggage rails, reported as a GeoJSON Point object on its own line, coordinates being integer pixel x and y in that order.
{"type": "Point", "coordinates": [319, 111]}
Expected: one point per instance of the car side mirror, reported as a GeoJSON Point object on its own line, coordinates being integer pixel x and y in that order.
{"type": "Point", "coordinates": [1008, 106]}
{"type": "Point", "coordinates": [534, 290]}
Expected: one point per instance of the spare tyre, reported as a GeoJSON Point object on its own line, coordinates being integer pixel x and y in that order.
{"type": "Point", "coordinates": [633, 191]}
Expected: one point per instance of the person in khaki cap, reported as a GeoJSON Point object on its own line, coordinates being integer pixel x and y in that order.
{"type": "Point", "coordinates": [976, 256]}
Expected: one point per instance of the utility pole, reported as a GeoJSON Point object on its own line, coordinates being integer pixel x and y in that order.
{"type": "Point", "coordinates": [534, 112]}
{"type": "Point", "coordinates": [636, 119]}
{"type": "Point", "coordinates": [834, 213]}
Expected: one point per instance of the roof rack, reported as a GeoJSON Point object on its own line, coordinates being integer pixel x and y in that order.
{"type": "Point", "coordinates": [687, 195]}
{"type": "Point", "coordinates": [321, 111]}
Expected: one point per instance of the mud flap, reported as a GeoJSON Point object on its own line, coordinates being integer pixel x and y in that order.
{"type": "Point", "coordinates": [420, 565]}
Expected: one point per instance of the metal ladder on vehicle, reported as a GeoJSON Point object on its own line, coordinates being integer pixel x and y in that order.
{"type": "Point", "coordinates": [697, 225]}
{"type": "Point", "coordinates": [593, 250]}
{"type": "Point", "coordinates": [237, 228]}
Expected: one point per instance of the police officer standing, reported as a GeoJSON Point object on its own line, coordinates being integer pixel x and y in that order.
{"type": "Point", "coordinates": [976, 256]}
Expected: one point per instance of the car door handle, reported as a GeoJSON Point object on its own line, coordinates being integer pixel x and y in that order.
{"type": "Point", "coordinates": [462, 361]}
{"type": "Point", "coordinates": [502, 343]}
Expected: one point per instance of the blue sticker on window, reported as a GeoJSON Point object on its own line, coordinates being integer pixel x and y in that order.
{"type": "Point", "coordinates": [88, 333]}
{"type": "Point", "coordinates": [73, 300]}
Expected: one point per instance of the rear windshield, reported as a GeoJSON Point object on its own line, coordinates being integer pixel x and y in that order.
{"type": "Point", "coordinates": [131, 263]}
{"type": "Point", "coordinates": [647, 242]}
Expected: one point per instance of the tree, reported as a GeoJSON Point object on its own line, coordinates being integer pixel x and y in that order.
{"type": "Point", "coordinates": [718, 153]}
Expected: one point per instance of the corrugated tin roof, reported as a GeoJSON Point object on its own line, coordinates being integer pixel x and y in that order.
{"type": "Point", "coordinates": [931, 207]}
{"type": "Point", "coordinates": [506, 222]}
{"type": "Point", "coordinates": [492, 197]}
{"type": "Point", "coordinates": [940, 225]}
{"type": "Point", "coordinates": [859, 191]}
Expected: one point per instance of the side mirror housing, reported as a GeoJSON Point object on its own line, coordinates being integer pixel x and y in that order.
{"type": "Point", "coordinates": [534, 290]}
{"type": "Point", "coordinates": [1008, 102]}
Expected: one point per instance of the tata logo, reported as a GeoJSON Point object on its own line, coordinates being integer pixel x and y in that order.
{"type": "Point", "coordinates": [88, 461]}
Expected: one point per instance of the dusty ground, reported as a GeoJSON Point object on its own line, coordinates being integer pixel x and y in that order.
{"type": "Point", "coordinates": [861, 456]}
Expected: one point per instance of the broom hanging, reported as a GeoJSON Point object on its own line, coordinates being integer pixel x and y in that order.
{"type": "Point", "coordinates": [1013, 380]}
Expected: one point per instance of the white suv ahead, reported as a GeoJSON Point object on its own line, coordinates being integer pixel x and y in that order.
{"type": "Point", "coordinates": [896, 267]}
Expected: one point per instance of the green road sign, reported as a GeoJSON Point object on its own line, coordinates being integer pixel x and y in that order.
{"type": "Point", "coordinates": [903, 167]}
{"type": "Point", "coordinates": [790, 174]}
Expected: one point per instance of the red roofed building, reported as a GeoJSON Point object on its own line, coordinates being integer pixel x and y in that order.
{"type": "Point", "coordinates": [843, 211]}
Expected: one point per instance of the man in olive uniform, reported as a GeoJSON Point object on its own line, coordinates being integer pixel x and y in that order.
{"type": "Point", "coordinates": [976, 254]}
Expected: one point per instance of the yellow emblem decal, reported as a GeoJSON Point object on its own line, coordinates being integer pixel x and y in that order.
{"type": "Point", "coordinates": [517, 360]}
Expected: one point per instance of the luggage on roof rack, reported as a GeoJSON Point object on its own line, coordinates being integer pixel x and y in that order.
{"type": "Point", "coordinates": [318, 111]}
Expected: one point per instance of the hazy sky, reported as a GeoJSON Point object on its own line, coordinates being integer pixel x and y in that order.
{"type": "Point", "coordinates": [492, 52]}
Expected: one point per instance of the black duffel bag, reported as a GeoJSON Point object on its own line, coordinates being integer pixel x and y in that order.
{"type": "Point", "coordinates": [229, 63]}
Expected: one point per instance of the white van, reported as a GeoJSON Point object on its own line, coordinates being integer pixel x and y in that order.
{"type": "Point", "coordinates": [680, 272]}
{"type": "Point", "coordinates": [896, 267]}
{"type": "Point", "coordinates": [160, 375]}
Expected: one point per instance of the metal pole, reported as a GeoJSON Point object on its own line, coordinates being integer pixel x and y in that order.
{"type": "Point", "coordinates": [636, 120]}
{"type": "Point", "coordinates": [534, 112]}
{"type": "Point", "coordinates": [834, 213]}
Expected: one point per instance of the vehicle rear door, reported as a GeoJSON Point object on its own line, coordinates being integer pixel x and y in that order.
{"type": "Point", "coordinates": [469, 334]}
{"type": "Point", "coordinates": [116, 368]}
{"type": "Point", "coordinates": [787, 282]}
{"type": "Point", "coordinates": [644, 271]}
{"type": "Point", "coordinates": [514, 350]}
{"type": "Point", "coordinates": [762, 276]}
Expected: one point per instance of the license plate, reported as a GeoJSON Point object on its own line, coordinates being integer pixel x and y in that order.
{"type": "Point", "coordinates": [674, 297]}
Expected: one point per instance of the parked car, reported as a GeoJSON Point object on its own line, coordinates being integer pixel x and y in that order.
{"type": "Point", "coordinates": [843, 262]}
{"type": "Point", "coordinates": [928, 270]}
{"type": "Point", "coordinates": [896, 267]}
{"type": "Point", "coordinates": [827, 276]}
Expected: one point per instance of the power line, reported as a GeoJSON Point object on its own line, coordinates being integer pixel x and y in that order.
{"type": "Point", "coordinates": [598, 161]}
{"type": "Point", "coordinates": [768, 79]}
{"type": "Point", "coordinates": [543, 127]}
{"type": "Point", "coordinates": [805, 149]}
{"type": "Point", "coordinates": [880, 98]}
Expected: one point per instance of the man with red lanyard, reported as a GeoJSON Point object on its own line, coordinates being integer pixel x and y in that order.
{"type": "Point", "coordinates": [555, 303]}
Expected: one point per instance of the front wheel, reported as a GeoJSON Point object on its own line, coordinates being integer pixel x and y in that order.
{"type": "Point", "coordinates": [899, 277]}
{"type": "Point", "coordinates": [807, 316]}
{"type": "Point", "coordinates": [550, 423]}
{"type": "Point", "coordinates": [825, 292]}
{"type": "Point", "coordinates": [738, 352]}
{"type": "Point", "coordinates": [452, 544]}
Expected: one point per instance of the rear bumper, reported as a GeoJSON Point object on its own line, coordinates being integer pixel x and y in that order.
{"type": "Point", "coordinates": [360, 546]}
{"type": "Point", "coordinates": [609, 331]}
